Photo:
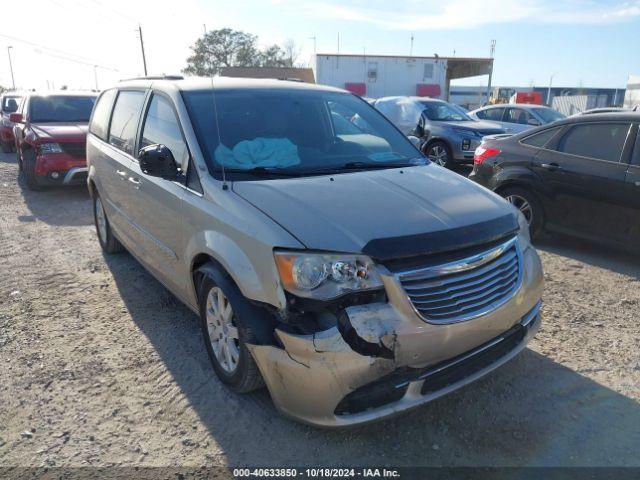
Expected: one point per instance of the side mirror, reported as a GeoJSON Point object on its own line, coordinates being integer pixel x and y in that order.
{"type": "Point", "coordinates": [415, 140]}
{"type": "Point", "coordinates": [16, 118]}
{"type": "Point", "coordinates": [533, 122]}
{"type": "Point", "coordinates": [157, 161]}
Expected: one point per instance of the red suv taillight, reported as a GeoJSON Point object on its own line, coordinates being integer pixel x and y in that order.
{"type": "Point", "coordinates": [483, 152]}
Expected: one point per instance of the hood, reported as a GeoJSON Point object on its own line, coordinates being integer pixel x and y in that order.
{"type": "Point", "coordinates": [61, 131]}
{"type": "Point", "coordinates": [385, 213]}
{"type": "Point", "coordinates": [481, 126]}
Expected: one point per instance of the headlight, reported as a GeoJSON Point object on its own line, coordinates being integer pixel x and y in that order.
{"type": "Point", "coordinates": [50, 148]}
{"type": "Point", "coordinates": [325, 276]}
{"type": "Point", "coordinates": [524, 227]}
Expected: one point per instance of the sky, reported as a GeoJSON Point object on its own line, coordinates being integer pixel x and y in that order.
{"type": "Point", "coordinates": [89, 43]}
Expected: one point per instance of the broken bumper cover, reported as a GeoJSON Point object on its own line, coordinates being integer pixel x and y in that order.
{"type": "Point", "coordinates": [320, 380]}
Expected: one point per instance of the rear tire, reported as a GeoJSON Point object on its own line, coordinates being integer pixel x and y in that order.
{"type": "Point", "coordinates": [528, 203]}
{"type": "Point", "coordinates": [223, 310]}
{"type": "Point", "coordinates": [108, 242]}
{"type": "Point", "coordinates": [440, 153]}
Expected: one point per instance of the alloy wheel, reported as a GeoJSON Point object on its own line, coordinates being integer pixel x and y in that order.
{"type": "Point", "coordinates": [223, 334]}
{"type": "Point", "coordinates": [521, 204]}
{"type": "Point", "coordinates": [438, 155]}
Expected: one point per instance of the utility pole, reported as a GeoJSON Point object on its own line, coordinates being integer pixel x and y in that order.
{"type": "Point", "coordinates": [204, 25]}
{"type": "Point", "coordinates": [13, 81]}
{"type": "Point", "coordinates": [549, 89]}
{"type": "Point", "coordinates": [411, 48]}
{"type": "Point", "coordinates": [315, 51]}
{"type": "Point", "coordinates": [492, 52]}
{"type": "Point", "coordinates": [144, 58]}
{"type": "Point", "coordinates": [95, 75]}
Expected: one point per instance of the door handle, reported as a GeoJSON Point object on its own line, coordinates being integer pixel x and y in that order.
{"type": "Point", "coordinates": [121, 173]}
{"type": "Point", "coordinates": [551, 166]}
{"type": "Point", "coordinates": [135, 181]}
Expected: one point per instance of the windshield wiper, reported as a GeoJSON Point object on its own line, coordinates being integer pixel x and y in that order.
{"type": "Point", "coordinates": [262, 171]}
{"type": "Point", "coordinates": [364, 166]}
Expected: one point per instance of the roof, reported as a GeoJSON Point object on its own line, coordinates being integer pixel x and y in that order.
{"type": "Point", "coordinates": [414, 57]}
{"type": "Point", "coordinates": [62, 93]}
{"type": "Point", "coordinates": [412, 98]}
{"type": "Point", "coordinates": [279, 73]}
{"type": "Point", "coordinates": [506, 105]}
{"type": "Point", "coordinates": [225, 83]}
{"type": "Point", "coordinates": [598, 117]}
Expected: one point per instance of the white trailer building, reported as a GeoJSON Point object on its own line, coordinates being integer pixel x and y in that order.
{"type": "Point", "coordinates": [378, 76]}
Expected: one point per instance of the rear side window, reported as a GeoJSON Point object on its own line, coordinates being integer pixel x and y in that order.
{"type": "Point", "coordinates": [99, 125]}
{"type": "Point", "coordinates": [161, 127]}
{"type": "Point", "coordinates": [540, 139]}
{"type": "Point", "coordinates": [602, 141]}
{"type": "Point", "coordinates": [517, 115]}
{"type": "Point", "coordinates": [124, 121]}
{"type": "Point", "coordinates": [494, 114]}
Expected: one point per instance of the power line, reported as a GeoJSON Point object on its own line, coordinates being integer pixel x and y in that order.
{"type": "Point", "coordinates": [62, 54]}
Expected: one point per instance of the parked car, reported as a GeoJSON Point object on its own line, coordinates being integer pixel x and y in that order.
{"type": "Point", "coordinates": [607, 110]}
{"type": "Point", "coordinates": [50, 135]}
{"type": "Point", "coordinates": [447, 134]}
{"type": "Point", "coordinates": [579, 176]}
{"type": "Point", "coordinates": [9, 103]}
{"type": "Point", "coordinates": [516, 118]}
{"type": "Point", "coordinates": [353, 282]}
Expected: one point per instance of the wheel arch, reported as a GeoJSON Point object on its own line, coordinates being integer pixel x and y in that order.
{"type": "Point", "coordinates": [435, 139]}
{"type": "Point", "coordinates": [520, 177]}
{"type": "Point", "coordinates": [261, 319]}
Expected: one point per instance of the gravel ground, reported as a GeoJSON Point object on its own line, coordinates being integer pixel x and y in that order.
{"type": "Point", "coordinates": [100, 365]}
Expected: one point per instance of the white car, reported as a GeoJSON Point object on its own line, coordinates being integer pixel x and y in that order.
{"type": "Point", "coordinates": [517, 117]}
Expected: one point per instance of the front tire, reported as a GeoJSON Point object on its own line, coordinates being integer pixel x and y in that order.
{"type": "Point", "coordinates": [440, 153]}
{"type": "Point", "coordinates": [108, 241]}
{"type": "Point", "coordinates": [223, 310]}
{"type": "Point", "coordinates": [529, 205]}
{"type": "Point", "coordinates": [28, 170]}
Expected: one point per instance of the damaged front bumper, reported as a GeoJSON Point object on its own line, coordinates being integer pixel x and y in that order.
{"type": "Point", "coordinates": [321, 379]}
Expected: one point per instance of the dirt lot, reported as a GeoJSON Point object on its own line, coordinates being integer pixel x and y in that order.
{"type": "Point", "coordinates": [100, 365]}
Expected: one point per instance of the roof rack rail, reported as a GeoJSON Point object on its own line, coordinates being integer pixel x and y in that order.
{"type": "Point", "coordinates": [155, 77]}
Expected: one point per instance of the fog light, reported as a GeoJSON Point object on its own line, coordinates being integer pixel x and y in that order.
{"type": "Point", "coordinates": [466, 144]}
{"type": "Point", "coordinates": [55, 175]}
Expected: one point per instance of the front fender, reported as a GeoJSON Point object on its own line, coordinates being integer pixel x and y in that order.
{"type": "Point", "coordinates": [257, 279]}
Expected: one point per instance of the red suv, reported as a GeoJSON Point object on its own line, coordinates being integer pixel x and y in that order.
{"type": "Point", "coordinates": [51, 134]}
{"type": "Point", "coordinates": [9, 103]}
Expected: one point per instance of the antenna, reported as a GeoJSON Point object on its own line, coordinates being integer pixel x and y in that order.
{"type": "Point", "coordinates": [215, 116]}
{"type": "Point", "coordinates": [144, 57]}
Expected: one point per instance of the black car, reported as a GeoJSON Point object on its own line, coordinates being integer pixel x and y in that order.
{"type": "Point", "coordinates": [579, 176]}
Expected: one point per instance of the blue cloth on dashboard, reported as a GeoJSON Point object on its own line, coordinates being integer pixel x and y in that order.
{"type": "Point", "coordinates": [259, 152]}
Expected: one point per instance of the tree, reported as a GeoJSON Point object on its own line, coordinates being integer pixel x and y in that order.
{"type": "Point", "coordinates": [291, 52]}
{"type": "Point", "coordinates": [272, 56]}
{"type": "Point", "coordinates": [222, 48]}
{"type": "Point", "coordinates": [231, 48]}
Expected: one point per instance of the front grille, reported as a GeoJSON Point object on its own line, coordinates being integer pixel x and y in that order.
{"type": "Point", "coordinates": [75, 149]}
{"type": "Point", "coordinates": [465, 288]}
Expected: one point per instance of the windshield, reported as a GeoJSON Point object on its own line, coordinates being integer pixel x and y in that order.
{"type": "Point", "coordinates": [10, 104]}
{"type": "Point", "coordinates": [444, 112]}
{"type": "Point", "coordinates": [61, 108]}
{"type": "Point", "coordinates": [294, 132]}
{"type": "Point", "coordinates": [549, 115]}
